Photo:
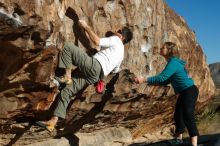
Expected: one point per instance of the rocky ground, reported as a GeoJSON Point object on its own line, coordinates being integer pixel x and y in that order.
{"type": "Point", "coordinates": [24, 133]}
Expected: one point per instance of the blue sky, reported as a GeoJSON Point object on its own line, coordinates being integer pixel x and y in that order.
{"type": "Point", "coordinates": [203, 17]}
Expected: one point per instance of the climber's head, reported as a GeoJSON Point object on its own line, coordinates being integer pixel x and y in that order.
{"type": "Point", "coordinates": [125, 35]}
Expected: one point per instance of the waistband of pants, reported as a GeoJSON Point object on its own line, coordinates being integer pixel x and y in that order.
{"type": "Point", "coordinates": [188, 88]}
{"type": "Point", "coordinates": [101, 76]}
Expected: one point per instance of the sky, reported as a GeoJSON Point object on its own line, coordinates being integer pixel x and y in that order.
{"type": "Point", "coordinates": [203, 17]}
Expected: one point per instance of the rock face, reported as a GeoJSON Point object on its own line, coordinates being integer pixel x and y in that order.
{"type": "Point", "coordinates": [215, 73]}
{"type": "Point", "coordinates": [29, 28]}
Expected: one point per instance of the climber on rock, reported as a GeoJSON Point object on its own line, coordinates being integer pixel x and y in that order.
{"type": "Point", "coordinates": [176, 74]}
{"type": "Point", "coordinates": [91, 69]}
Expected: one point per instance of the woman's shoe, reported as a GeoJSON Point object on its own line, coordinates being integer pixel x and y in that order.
{"type": "Point", "coordinates": [175, 142]}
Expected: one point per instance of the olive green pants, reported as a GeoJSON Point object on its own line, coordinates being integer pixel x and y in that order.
{"type": "Point", "coordinates": [89, 73]}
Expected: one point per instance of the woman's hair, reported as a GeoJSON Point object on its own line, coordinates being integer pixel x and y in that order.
{"type": "Point", "coordinates": [172, 49]}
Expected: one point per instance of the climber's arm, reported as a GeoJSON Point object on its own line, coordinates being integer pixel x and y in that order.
{"type": "Point", "coordinates": [93, 36]}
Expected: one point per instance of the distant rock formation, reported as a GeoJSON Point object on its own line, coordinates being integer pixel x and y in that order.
{"type": "Point", "coordinates": [29, 28]}
{"type": "Point", "coordinates": [215, 73]}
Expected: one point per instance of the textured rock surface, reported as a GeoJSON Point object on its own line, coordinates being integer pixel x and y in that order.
{"type": "Point", "coordinates": [27, 27]}
{"type": "Point", "coordinates": [215, 72]}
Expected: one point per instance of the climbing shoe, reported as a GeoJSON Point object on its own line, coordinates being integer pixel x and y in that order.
{"type": "Point", "coordinates": [45, 126]}
{"type": "Point", "coordinates": [65, 80]}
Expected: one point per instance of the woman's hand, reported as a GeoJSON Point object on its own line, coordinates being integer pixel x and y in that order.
{"type": "Point", "coordinates": [139, 79]}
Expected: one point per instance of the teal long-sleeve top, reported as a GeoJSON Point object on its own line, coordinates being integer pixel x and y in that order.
{"type": "Point", "coordinates": [174, 73]}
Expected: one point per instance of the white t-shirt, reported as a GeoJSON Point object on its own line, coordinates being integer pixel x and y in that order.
{"type": "Point", "coordinates": [111, 54]}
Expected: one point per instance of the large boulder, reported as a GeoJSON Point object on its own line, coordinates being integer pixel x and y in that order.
{"type": "Point", "coordinates": [33, 32]}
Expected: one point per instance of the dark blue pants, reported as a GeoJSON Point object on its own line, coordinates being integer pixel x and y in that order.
{"type": "Point", "coordinates": [184, 111]}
